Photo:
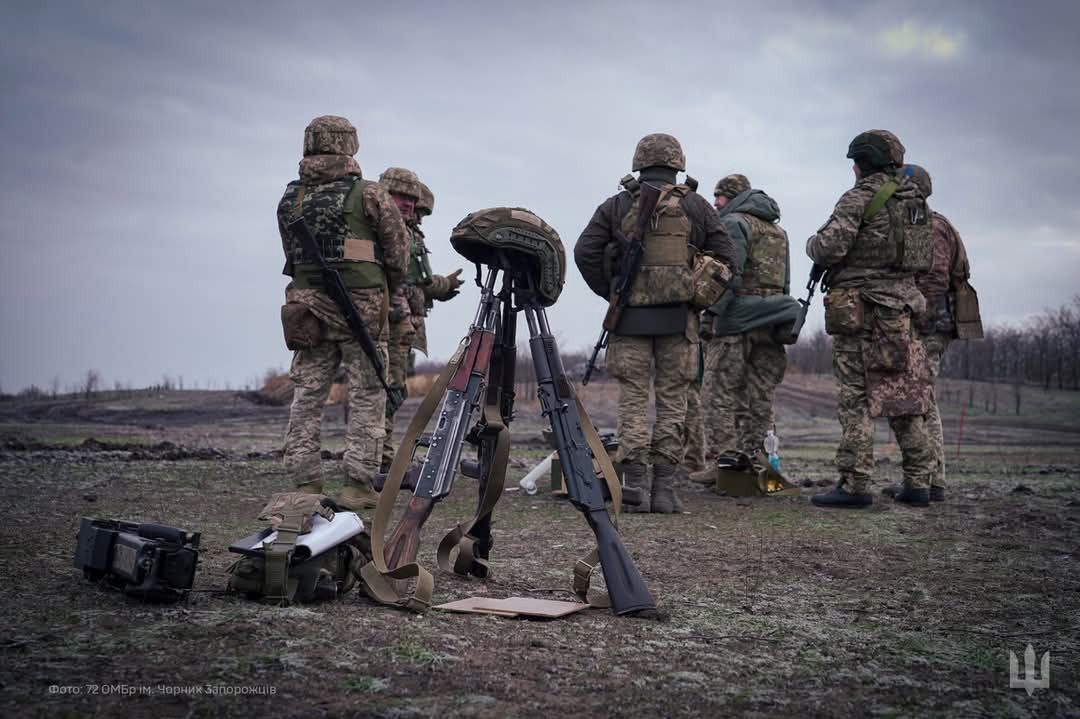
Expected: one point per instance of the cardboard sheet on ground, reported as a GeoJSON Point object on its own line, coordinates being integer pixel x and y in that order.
{"type": "Point", "coordinates": [514, 607]}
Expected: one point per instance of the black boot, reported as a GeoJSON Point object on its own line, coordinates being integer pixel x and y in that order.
{"type": "Point", "coordinates": [914, 497]}
{"type": "Point", "coordinates": [937, 494]}
{"type": "Point", "coordinates": [840, 497]}
{"type": "Point", "coordinates": [892, 490]}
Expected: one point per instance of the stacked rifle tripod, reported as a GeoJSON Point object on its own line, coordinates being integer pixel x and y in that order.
{"type": "Point", "coordinates": [476, 392]}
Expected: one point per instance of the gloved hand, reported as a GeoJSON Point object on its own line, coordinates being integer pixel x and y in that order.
{"type": "Point", "coordinates": [453, 282]}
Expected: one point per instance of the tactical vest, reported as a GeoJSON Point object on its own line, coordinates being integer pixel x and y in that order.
{"type": "Point", "coordinates": [335, 216]}
{"type": "Point", "coordinates": [766, 257]}
{"type": "Point", "coordinates": [895, 233]}
{"type": "Point", "coordinates": [665, 274]}
{"type": "Point", "coordinates": [419, 272]}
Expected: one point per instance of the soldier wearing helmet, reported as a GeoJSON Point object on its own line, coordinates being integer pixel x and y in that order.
{"type": "Point", "coordinates": [410, 303]}
{"type": "Point", "coordinates": [745, 359]}
{"type": "Point", "coordinates": [361, 234]}
{"type": "Point", "coordinates": [938, 325]}
{"type": "Point", "coordinates": [658, 328]}
{"type": "Point", "coordinates": [876, 239]}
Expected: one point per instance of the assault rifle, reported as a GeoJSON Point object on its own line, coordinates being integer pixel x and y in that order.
{"type": "Point", "coordinates": [439, 468]}
{"type": "Point", "coordinates": [558, 402]}
{"type": "Point", "coordinates": [334, 286]}
{"type": "Point", "coordinates": [633, 250]}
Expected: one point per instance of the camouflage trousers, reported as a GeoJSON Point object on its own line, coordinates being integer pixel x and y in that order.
{"type": "Point", "coordinates": [312, 373]}
{"type": "Point", "coordinates": [855, 455]}
{"type": "Point", "coordinates": [694, 439]}
{"type": "Point", "coordinates": [936, 344]}
{"type": "Point", "coordinates": [402, 335]}
{"type": "Point", "coordinates": [632, 361]}
{"type": "Point", "coordinates": [741, 375]}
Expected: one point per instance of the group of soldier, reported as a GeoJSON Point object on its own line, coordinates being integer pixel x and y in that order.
{"type": "Point", "coordinates": [890, 265]}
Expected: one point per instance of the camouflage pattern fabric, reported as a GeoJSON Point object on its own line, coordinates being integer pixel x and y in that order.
{"type": "Point", "coordinates": [921, 178]}
{"type": "Point", "coordinates": [402, 336]}
{"type": "Point", "coordinates": [731, 186]}
{"type": "Point", "coordinates": [401, 181]}
{"type": "Point", "coordinates": [694, 440]}
{"type": "Point", "coordinates": [658, 150]}
{"type": "Point", "coordinates": [741, 375]}
{"type": "Point", "coordinates": [426, 204]}
{"type": "Point", "coordinates": [949, 270]}
{"type": "Point", "coordinates": [294, 504]}
{"type": "Point", "coordinates": [667, 365]}
{"type": "Point", "coordinates": [312, 373]}
{"type": "Point", "coordinates": [855, 454]}
{"type": "Point", "coordinates": [665, 273]}
{"type": "Point", "coordinates": [330, 135]}
{"type": "Point", "coordinates": [936, 344]}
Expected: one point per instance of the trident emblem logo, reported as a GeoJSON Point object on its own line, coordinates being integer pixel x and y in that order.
{"type": "Point", "coordinates": [1028, 682]}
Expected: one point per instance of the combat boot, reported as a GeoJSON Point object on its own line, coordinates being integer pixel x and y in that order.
{"type": "Point", "coordinates": [357, 495]}
{"type": "Point", "coordinates": [914, 497]}
{"type": "Point", "coordinates": [840, 497]}
{"type": "Point", "coordinates": [892, 490]}
{"type": "Point", "coordinates": [937, 494]}
{"type": "Point", "coordinates": [664, 499]}
{"type": "Point", "coordinates": [636, 476]}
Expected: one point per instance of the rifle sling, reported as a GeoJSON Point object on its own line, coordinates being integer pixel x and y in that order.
{"type": "Point", "coordinates": [378, 578]}
{"type": "Point", "coordinates": [459, 536]}
{"type": "Point", "coordinates": [585, 566]}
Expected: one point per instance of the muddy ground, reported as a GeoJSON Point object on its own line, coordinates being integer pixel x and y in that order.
{"type": "Point", "coordinates": [776, 608]}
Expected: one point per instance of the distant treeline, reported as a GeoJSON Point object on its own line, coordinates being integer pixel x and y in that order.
{"type": "Point", "coordinates": [1044, 351]}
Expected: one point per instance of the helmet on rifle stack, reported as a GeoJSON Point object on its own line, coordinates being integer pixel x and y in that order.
{"type": "Point", "coordinates": [486, 236]}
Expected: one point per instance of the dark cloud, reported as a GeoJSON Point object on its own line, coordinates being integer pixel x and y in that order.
{"type": "Point", "coordinates": [145, 146]}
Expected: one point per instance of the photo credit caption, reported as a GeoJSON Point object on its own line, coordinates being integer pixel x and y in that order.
{"type": "Point", "coordinates": [143, 690]}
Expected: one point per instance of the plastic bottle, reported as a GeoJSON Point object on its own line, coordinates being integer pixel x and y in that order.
{"type": "Point", "coordinates": [772, 448]}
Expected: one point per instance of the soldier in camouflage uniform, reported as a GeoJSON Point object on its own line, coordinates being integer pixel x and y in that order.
{"type": "Point", "coordinates": [412, 299]}
{"type": "Point", "coordinates": [656, 342]}
{"type": "Point", "coordinates": [361, 234]}
{"type": "Point", "coordinates": [694, 441]}
{"type": "Point", "coordinates": [745, 361]}
{"type": "Point", "coordinates": [876, 239]}
{"type": "Point", "coordinates": [937, 326]}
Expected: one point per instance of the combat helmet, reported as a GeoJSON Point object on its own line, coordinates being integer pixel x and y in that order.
{"type": "Point", "coordinates": [401, 181]}
{"type": "Point", "coordinates": [426, 204]}
{"type": "Point", "coordinates": [330, 135]}
{"type": "Point", "coordinates": [731, 186]}
{"type": "Point", "coordinates": [877, 149]}
{"type": "Point", "coordinates": [658, 149]}
{"type": "Point", "coordinates": [921, 178]}
{"type": "Point", "coordinates": [485, 236]}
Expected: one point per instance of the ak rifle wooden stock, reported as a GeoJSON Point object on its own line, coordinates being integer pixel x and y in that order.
{"type": "Point", "coordinates": [440, 464]}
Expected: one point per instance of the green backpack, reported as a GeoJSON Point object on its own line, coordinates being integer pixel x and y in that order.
{"type": "Point", "coordinates": [310, 551]}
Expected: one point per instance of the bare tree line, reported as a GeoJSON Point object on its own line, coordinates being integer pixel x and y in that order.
{"type": "Point", "coordinates": [1043, 351]}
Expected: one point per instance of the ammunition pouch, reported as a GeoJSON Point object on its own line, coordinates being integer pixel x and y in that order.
{"type": "Point", "coordinates": [890, 341]}
{"type": "Point", "coordinates": [147, 561]}
{"type": "Point", "coordinates": [709, 277]}
{"type": "Point", "coordinates": [965, 303]}
{"type": "Point", "coordinates": [302, 328]}
{"type": "Point", "coordinates": [653, 321]}
{"type": "Point", "coordinates": [844, 313]}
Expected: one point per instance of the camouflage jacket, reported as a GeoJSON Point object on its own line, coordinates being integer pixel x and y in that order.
{"type": "Point", "coordinates": [393, 240]}
{"type": "Point", "coordinates": [951, 269]}
{"type": "Point", "coordinates": [844, 235]}
{"type": "Point", "coordinates": [736, 313]}
{"type": "Point", "coordinates": [706, 233]}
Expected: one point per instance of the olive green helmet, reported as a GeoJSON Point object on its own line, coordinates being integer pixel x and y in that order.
{"type": "Point", "coordinates": [330, 135]}
{"type": "Point", "coordinates": [877, 148]}
{"type": "Point", "coordinates": [483, 236]}
{"type": "Point", "coordinates": [920, 177]}
{"type": "Point", "coordinates": [401, 182]}
{"type": "Point", "coordinates": [658, 149]}
{"type": "Point", "coordinates": [426, 204]}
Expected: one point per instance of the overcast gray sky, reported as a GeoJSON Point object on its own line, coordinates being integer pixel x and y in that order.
{"type": "Point", "coordinates": [145, 146]}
